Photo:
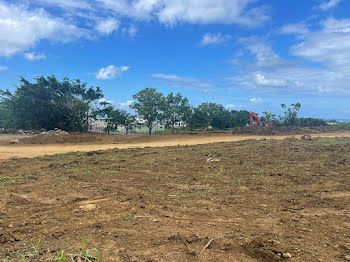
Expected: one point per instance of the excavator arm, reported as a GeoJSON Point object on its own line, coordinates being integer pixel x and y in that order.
{"type": "Point", "coordinates": [254, 115]}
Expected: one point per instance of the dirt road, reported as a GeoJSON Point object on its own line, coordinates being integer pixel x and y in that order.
{"type": "Point", "coordinates": [21, 151]}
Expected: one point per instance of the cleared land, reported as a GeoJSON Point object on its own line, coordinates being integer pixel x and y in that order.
{"type": "Point", "coordinates": [259, 201]}
{"type": "Point", "coordinates": [39, 145]}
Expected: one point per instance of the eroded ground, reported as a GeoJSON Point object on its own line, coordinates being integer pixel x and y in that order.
{"type": "Point", "coordinates": [39, 145]}
{"type": "Point", "coordinates": [258, 200]}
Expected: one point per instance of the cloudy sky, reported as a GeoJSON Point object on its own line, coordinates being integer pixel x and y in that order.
{"type": "Point", "coordinates": [244, 54]}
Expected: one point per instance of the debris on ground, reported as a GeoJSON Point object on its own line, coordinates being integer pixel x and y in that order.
{"type": "Point", "coordinates": [266, 249]}
{"type": "Point", "coordinates": [13, 141]}
{"type": "Point", "coordinates": [55, 132]}
{"type": "Point", "coordinates": [18, 131]}
{"type": "Point", "coordinates": [209, 160]}
{"type": "Point", "coordinates": [306, 137]}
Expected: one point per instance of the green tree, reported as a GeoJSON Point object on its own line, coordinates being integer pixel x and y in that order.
{"type": "Point", "coordinates": [210, 114]}
{"type": "Point", "coordinates": [240, 118]}
{"type": "Point", "coordinates": [49, 103]}
{"type": "Point", "coordinates": [268, 118]}
{"type": "Point", "coordinates": [109, 115]}
{"type": "Point", "coordinates": [176, 108]}
{"type": "Point", "coordinates": [291, 114]}
{"type": "Point", "coordinates": [5, 114]}
{"type": "Point", "coordinates": [114, 117]}
{"type": "Point", "coordinates": [149, 104]}
{"type": "Point", "coordinates": [191, 119]}
{"type": "Point", "coordinates": [126, 120]}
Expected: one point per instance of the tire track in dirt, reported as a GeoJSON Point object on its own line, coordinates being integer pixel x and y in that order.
{"type": "Point", "coordinates": [28, 151]}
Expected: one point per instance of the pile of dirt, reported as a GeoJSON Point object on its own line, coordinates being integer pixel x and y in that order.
{"type": "Point", "coordinates": [267, 250]}
{"type": "Point", "coordinates": [61, 138]}
{"type": "Point", "coordinates": [18, 131]}
{"type": "Point", "coordinates": [285, 130]}
{"type": "Point", "coordinates": [55, 132]}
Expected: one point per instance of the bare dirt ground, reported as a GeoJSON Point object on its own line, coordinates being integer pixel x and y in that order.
{"type": "Point", "coordinates": [266, 200]}
{"type": "Point", "coordinates": [39, 145]}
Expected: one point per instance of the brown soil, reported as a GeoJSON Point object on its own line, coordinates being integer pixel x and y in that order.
{"type": "Point", "coordinates": [259, 200]}
{"type": "Point", "coordinates": [75, 138]}
{"type": "Point", "coordinates": [103, 142]}
{"type": "Point", "coordinates": [287, 130]}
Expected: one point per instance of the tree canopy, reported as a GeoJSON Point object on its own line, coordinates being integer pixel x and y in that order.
{"type": "Point", "coordinates": [49, 103]}
{"type": "Point", "coordinates": [176, 108]}
{"type": "Point", "coordinates": [148, 105]}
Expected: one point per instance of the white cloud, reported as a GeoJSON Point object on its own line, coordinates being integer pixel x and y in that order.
{"type": "Point", "coordinates": [329, 46]}
{"type": "Point", "coordinates": [188, 83]}
{"type": "Point", "coordinates": [256, 101]}
{"type": "Point", "coordinates": [172, 12]}
{"type": "Point", "coordinates": [329, 4]}
{"type": "Point", "coordinates": [24, 23]}
{"type": "Point", "coordinates": [212, 39]}
{"type": "Point", "coordinates": [32, 56]}
{"type": "Point", "coordinates": [22, 28]}
{"type": "Point", "coordinates": [322, 68]}
{"type": "Point", "coordinates": [107, 26]}
{"type": "Point", "coordinates": [126, 104]}
{"type": "Point", "coordinates": [167, 76]}
{"type": "Point", "coordinates": [3, 68]}
{"type": "Point", "coordinates": [299, 28]}
{"type": "Point", "coordinates": [111, 72]}
{"type": "Point", "coordinates": [130, 31]}
{"type": "Point", "coordinates": [66, 4]}
{"type": "Point", "coordinates": [208, 11]}
{"type": "Point", "coordinates": [103, 100]}
{"type": "Point", "coordinates": [264, 55]}
{"type": "Point", "coordinates": [230, 106]}
{"type": "Point", "coordinates": [263, 81]}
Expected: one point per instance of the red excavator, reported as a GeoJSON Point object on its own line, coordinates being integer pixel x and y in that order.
{"type": "Point", "coordinates": [252, 114]}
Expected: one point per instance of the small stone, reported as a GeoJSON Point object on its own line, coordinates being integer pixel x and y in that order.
{"type": "Point", "coordinates": [192, 253]}
{"type": "Point", "coordinates": [10, 226]}
{"type": "Point", "coordinates": [347, 258]}
{"type": "Point", "coordinates": [88, 207]}
{"type": "Point", "coordinates": [306, 137]}
{"type": "Point", "coordinates": [286, 255]}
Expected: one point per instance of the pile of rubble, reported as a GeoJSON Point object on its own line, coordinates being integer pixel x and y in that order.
{"type": "Point", "coordinates": [18, 131]}
{"type": "Point", "coordinates": [55, 132]}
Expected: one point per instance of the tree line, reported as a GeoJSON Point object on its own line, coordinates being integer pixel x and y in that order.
{"type": "Point", "coordinates": [49, 103]}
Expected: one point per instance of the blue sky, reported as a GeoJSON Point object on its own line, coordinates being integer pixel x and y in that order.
{"type": "Point", "coordinates": [244, 54]}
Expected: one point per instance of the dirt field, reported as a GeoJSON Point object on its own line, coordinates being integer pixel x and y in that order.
{"type": "Point", "coordinates": [264, 200]}
{"type": "Point", "coordinates": [287, 130]}
{"type": "Point", "coordinates": [39, 145]}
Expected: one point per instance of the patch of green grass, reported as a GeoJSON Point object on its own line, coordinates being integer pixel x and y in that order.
{"type": "Point", "coordinates": [329, 141]}
{"type": "Point", "coordinates": [174, 168]}
{"type": "Point", "coordinates": [8, 180]}
{"type": "Point", "coordinates": [183, 196]}
{"type": "Point", "coordinates": [84, 254]}
{"type": "Point", "coordinates": [206, 192]}
{"type": "Point", "coordinates": [125, 218]}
